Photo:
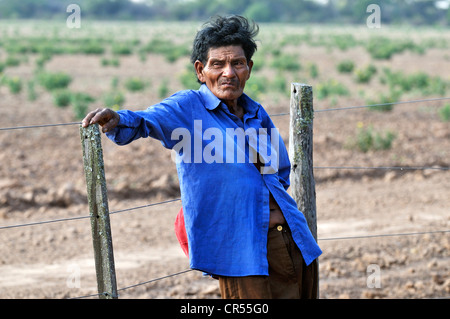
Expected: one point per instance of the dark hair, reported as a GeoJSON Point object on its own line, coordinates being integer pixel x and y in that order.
{"type": "Point", "coordinates": [223, 31]}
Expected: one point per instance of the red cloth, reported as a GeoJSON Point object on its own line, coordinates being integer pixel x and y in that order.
{"type": "Point", "coordinates": [180, 231]}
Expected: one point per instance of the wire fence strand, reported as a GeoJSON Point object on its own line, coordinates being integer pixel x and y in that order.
{"type": "Point", "coordinates": [145, 206]}
{"type": "Point", "coordinates": [156, 279]}
{"type": "Point", "coordinates": [85, 217]}
{"type": "Point", "coordinates": [401, 168]}
{"type": "Point", "coordinates": [381, 104]}
{"type": "Point", "coordinates": [138, 284]}
{"type": "Point", "coordinates": [278, 114]}
{"type": "Point", "coordinates": [44, 222]}
{"type": "Point", "coordinates": [37, 126]}
{"type": "Point", "coordinates": [384, 235]}
{"type": "Point", "coordinates": [320, 239]}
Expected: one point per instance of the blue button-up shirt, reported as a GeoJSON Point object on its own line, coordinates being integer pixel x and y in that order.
{"type": "Point", "coordinates": [225, 197]}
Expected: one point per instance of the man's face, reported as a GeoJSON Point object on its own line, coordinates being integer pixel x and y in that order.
{"type": "Point", "coordinates": [225, 72]}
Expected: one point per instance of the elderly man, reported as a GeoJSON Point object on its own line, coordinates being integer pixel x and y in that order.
{"type": "Point", "coordinates": [233, 168]}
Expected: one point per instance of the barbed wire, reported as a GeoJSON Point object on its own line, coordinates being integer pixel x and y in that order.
{"type": "Point", "coordinates": [145, 206]}
{"type": "Point", "coordinates": [156, 279]}
{"type": "Point", "coordinates": [317, 167]}
{"type": "Point", "coordinates": [85, 217]}
{"type": "Point", "coordinates": [44, 222]}
{"type": "Point", "coordinates": [368, 106]}
{"type": "Point", "coordinates": [381, 104]}
{"type": "Point", "coordinates": [401, 168]}
{"type": "Point", "coordinates": [137, 285]}
{"type": "Point", "coordinates": [320, 239]}
{"type": "Point", "coordinates": [384, 235]}
{"type": "Point", "coordinates": [188, 270]}
{"type": "Point", "coordinates": [38, 126]}
{"type": "Point", "coordinates": [179, 199]}
{"type": "Point", "coordinates": [271, 115]}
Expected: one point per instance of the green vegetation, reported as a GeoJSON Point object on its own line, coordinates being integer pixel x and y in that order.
{"type": "Point", "coordinates": [121, 49]}
{"type": "Point", "coordinates": [135, 84]}
{"type": "Point", "coordinates": [383, 48]}
{"type": "Point", "coordinates": [163, 89]}
{"type": "Point", "coordinates": [420, 81]}
{"type": "Point", "coordinates": [290, 11]}
{"type": "Point", "coordinates": [114, 100]}
{"type": "Point", "coordinates": [110, 62]}
{"type": "Point", "coordinates": [51, 81]}
{"type": "Point", "coordinates": [313, 70]}
{"type": "Point", "coordinates": [12, 61]}
{"type": "Point", "coordinates": [32, 95]}
{"type": "Point", "coordinates": [385, 103]}
{"type": "Point", "coordinates": [62, 97]}
{"type": "Point", "coordinates": [282, 57]}
{"type": "Point", "coordinates": [368, 139]}
{"type": "Point", "coordinates": [364, 75]}
{"type": "Point", "coordinates": [78, 100]}
{"type": "Point", "coordinates": [255, 86]}
{"type": "Point", "coordinates": [166, 48]}
{"type": "Point", "coordinates": [346, 66]}
{"type": "Point", "coordinates": [330, 88]}
{"type": "Point", "coordinates": [14, 84]}
{"type": "Point", "coordinates": [188, 78]}
{"type": "Point", "coordinates": [89, 46]}
{"type": "Point", "coordinates": [280, 84]}
{"type": "Point", "coordinates": [286, 62]}
{"type": "Point", "coordinates": [80, 104]}
{"type": "Point", "coordinates": [444, 113]}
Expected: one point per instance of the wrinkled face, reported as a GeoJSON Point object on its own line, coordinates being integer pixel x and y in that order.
{"type": "Point", "coordinates": [225, 72]}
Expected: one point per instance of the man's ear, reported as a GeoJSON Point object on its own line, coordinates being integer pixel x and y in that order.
{"type": "Point", "coordinates": [198, 65]}
{"type": "Point", "coordinates": [250, 66]}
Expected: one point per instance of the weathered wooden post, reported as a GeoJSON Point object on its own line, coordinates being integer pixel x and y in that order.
{"type": "Point", "coordinates": [303, 186]}
{"type": "Point", "coordinates": [99, 212]}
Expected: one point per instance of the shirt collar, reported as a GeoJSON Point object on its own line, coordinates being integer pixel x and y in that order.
{"type": "Point", "coordinates": [211, 101]}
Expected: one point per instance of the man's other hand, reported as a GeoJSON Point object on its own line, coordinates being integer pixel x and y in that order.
{"type": "Point", "coordinates": [106, 118]}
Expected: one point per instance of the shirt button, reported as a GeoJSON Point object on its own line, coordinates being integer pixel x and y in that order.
{"type": "Point", "coordinates": [279, 228]}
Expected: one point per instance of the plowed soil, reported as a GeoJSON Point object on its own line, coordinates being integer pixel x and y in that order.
{"type": "Point", "coordinates": [42, 179]}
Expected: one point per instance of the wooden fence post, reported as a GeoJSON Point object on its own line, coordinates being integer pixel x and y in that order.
{"type": "Point", "coordinates": [303, 186]}
{"type": "Point", "coordinates": [99, 212]}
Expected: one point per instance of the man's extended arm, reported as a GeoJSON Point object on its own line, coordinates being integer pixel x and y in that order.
{"type": "Point", "coordinates": [158, 121]}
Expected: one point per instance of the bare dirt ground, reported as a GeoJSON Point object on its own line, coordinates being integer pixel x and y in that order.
{"type": "Point", "coordinates": [41, 178]}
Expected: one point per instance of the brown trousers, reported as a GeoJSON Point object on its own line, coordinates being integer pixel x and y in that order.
{"type": "Point", "coordinates": [289, 277]}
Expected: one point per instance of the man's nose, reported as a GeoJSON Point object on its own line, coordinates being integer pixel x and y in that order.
{"type": "Point", "coordinates": [228, 71]}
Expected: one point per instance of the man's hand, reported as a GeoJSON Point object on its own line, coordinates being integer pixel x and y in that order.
{"type": "Point", "coordinates": [106, 118]}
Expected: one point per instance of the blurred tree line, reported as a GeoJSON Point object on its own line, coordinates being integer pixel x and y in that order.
{"type": "Point", "coordinates": [415, 12]}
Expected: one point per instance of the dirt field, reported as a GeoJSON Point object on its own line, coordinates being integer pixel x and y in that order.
{"type": "Point", "coordinates": [41, 178]}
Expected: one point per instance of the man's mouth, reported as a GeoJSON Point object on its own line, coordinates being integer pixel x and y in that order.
{"type": "Point", "coordinates": [232, 84]}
